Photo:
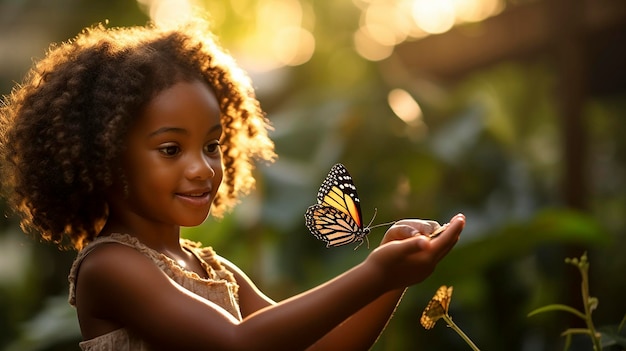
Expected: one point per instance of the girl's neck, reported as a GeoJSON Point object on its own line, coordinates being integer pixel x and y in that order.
{"type": "Point", "coordinates": [163, 240]}
{"type": "Point", "coordinates": [157, 237]}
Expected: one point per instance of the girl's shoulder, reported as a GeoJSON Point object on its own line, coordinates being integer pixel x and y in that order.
{"type": "Point", "coordinates": [102, 251]}
{"type": "Point", "coordinates": [105, 257]}
{"type": "Point", "coordinates": [111, 279]}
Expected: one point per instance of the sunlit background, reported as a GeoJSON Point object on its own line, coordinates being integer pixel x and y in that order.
{"type": "Point", "coordinates": [510, 111]}
{"type": "Point", "coordinates": [382, 24]}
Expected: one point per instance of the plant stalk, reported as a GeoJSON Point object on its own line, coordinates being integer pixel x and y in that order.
{"type": "Point", "coordinates": [458, 330]}
{"type": "Point", "coordinates": [584, 269]}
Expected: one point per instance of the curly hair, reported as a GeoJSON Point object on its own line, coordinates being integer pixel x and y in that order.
{"type": "Point", "coordinates": [61, 129]}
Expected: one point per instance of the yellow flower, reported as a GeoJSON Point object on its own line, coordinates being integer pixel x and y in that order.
{"type": "Point", "coordinates": [437, 307]}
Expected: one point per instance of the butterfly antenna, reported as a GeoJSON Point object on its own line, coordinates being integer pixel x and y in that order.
{"type": "Point", "coordinates": [369, 226]}
{"type": "Point", "coordinates": [374, 216]}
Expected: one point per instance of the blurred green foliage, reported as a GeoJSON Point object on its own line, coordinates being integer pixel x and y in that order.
{"type": "Point", "coordinates": [491, 149]}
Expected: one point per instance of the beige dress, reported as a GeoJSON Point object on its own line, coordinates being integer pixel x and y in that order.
{"type": "Point", "coordinates": [220, 288]}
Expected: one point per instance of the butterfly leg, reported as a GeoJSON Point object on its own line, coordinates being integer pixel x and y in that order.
{"type": "Point", "coordinates": [361, 242]}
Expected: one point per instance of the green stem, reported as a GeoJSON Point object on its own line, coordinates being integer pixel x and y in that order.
{"type": "Point", "coordinates": [458, 330]}
{"type": "Point", "coordinates": [584, 268]}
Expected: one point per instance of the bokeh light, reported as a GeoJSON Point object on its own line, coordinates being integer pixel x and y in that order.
{"type": "Point", "coordinates": [405, 107]}
{"type": "Point", "coordinates": [434, 17]}
{"type": "Point", "coordinates": [281, 31]}
{"type": "Point", "coordinates": [168, 12]}
{"type": "Point", "coordinates": [276, 37]}
{"type": "Point", "coordinates": [386, 23]}
{"type": "Point", "coordinates": [369, 48]}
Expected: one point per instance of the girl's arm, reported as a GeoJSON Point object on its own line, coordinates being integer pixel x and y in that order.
{"type": "Point", "coordinates": [116, 283]}
{"type": "Point", "coordinates": [358, 332]}
{"type": "Point", "coordinates": [361, 330]}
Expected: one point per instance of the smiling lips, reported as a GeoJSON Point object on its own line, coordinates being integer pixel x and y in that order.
{"type": "Point", "coordinates": [196, 197]}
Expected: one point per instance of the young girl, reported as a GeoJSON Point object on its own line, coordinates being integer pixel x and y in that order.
{"type": "Point", "coordinates": [118, 138]}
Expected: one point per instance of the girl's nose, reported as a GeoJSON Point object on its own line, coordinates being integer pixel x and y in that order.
{"type": "Point", "coordinates": [200, 167]}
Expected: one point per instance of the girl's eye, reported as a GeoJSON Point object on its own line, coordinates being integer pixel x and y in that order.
{"type": "Point", "coordinates": [212, 148]}
{"type": "Point", "coordinates": [170, 150]}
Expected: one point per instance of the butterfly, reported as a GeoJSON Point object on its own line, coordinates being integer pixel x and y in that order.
{"type": "Point", "coordinates": [437, 307]}
{"type": "Point", "coordinates": [336, 218]}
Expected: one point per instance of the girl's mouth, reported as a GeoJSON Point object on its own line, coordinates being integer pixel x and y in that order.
{"type": "Point", "coordinates": [201, 198]}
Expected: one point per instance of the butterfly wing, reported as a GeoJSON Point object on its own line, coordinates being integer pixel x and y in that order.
{"type": "Point", "coordinates": [338, 191]}
{"type": "Point", "coordinates": [332, 226]}
{"type": "Point", "coordinates": [336, 218]}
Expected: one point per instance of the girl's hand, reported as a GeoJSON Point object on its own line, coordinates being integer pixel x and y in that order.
{"type": "Point", "coordinates": [408, 256]}
{"type": "Point", "coordinates": [407, 228]}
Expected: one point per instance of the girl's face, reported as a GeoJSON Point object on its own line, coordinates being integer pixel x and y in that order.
{"type": "Point", "coordinates": [173, 163]}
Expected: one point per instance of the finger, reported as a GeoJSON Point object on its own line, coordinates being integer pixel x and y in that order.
{"type": "Point", "coordinates": [402, 231]}
{"type": "Point", "coordinates": [424, 227]}
{"type": "Point", "coordinates": [399, 232]}
{"type": "Point", "coordinates": [456, 226]}
{"type": "Point", "coordinates": [448, 238]}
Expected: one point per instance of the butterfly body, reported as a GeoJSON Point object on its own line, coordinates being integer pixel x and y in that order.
{"type": "Point", "coordinates": [336, 218]}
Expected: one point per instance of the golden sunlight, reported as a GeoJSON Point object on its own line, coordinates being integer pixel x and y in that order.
{"type": "Point", "coordinates": [387, 23]}
{"type": "Point", "coordinates": [280, 32]}
{"type": "Point", "coordinates": [168, 12]}
{"type": "Point", "coordinates": [275, 39]}
{"type": "Point", "coordinates": [405, 107]}
{"type": "Point", "coordinates": [293, 46]}
{"type": "Point", "coordinates": [434, 16]}
{"type": "Point", "coordinates": [279, 38]}
{"type": "Point", "coordinates": [369, 48]}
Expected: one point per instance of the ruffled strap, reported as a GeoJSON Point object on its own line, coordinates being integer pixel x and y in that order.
{"type": "Point", "coordinates": [220, 287]}
{"type": "Point", "coordinates": [207, 256]}
{"type": "Point", "coordinates": [81, 256]}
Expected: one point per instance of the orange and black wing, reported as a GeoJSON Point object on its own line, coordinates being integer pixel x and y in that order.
{"type": "Point", "coordinates": [336, 219]}
{"type": "Point", "coordinates": [332, 226]}
{"type": "Point", "coordinates": [338, 191]}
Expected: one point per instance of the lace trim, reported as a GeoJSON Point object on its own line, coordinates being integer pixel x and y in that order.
{"type": "Point", "coordinates": [217, 273]}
